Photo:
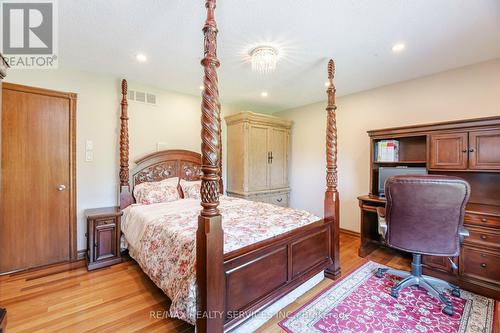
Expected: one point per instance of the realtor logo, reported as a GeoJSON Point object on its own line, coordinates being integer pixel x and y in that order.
{"type": "Point", "coordinates": [29, 38]}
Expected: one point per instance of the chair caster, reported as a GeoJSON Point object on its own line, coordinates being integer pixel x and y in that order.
{"type": "Point", "coordinates": [380, 272]}
{"type": "Point", "coordinates": [448, 310]}
{"type": "Point", "coordinates": [394, 293]}
{"type": "Point", "coordinates": [455, 292]}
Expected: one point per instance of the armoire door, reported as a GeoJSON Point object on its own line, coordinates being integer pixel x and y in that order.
{"type": "Point", "coordinates": [37, 178]}
{"type": "Point", "coordinates": [258, 157]}
{"type": "Point", "coordinates": [448, 151]}
{"type": "Point", "coordinates": [278, 146]}
{"type": "Point", "coordinates": [483, 150]}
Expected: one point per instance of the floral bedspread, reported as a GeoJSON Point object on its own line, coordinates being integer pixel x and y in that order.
{"type": "Point", "coordinates": [161, 239]}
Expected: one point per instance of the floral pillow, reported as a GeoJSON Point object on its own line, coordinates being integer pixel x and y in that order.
{"type": "Point", "coordinates": [191, 189]}
{"type": "Point", "coordinates": [155, 192]}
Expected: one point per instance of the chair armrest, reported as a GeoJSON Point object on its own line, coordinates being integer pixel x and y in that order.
{"type": "Point", "coordinates": [462, 233]}
{"type": "Point", "coordinates": [382, 223]}
{"type": "Point", "coordinates": [381, 212]}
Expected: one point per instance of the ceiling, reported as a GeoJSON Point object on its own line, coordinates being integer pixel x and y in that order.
{"type": "Point", "coordinates": [105, 36]}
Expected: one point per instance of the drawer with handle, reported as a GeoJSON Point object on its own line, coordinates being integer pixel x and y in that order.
{"type": "Point", "coordinates": [479, 264]}
{"type": "Point", "coordinates": [483, 237]}
{"type": "Point", "coordinates": [279, 199]}
{"type": "Point", "coordinates": [483, 220]}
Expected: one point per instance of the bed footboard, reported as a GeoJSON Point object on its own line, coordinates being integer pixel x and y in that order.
{"type": "Point", "coordinates": [257, 277]}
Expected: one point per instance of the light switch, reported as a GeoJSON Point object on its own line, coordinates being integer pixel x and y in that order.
{"type": "Point", "coordinates": [89, 156]}
{"type": "Point", "coordinates": [89, 145]}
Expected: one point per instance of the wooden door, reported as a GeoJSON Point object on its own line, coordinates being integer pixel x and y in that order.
{"type": "Point", "coordinates": [448, 151]}
{"type": "Point", "coordinates": [484, 150]}
{"type": "Point", "coordinates": [258, 157]}
{"type": "Point", "coordinates": [37, 222]}
{"type": "Point", "coordinates": [278, 146]}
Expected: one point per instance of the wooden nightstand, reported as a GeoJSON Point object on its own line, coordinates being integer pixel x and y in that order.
{"type": "Point", "coordinates": [103, 237]}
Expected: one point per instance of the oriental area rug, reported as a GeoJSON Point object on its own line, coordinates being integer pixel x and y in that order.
{"type": "Point", "coordinates": [361, 302]}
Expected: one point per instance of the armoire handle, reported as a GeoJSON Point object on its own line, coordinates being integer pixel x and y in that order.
{"type": "Point", "coordinates": [271, 157]}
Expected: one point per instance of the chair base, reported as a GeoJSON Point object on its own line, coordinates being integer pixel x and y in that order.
{"type": "Point", "coordinates": [416, 278]}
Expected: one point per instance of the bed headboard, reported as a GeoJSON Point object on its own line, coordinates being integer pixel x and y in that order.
{"type": "Point", "coordinates": [165, 164]}
{"type": "Point", "coordinates": [157, 166]}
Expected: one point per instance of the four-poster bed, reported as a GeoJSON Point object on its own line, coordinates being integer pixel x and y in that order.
{"type": "Point", "coordinates": [233, 282]}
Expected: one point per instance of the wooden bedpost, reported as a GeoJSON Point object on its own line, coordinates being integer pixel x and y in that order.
{"type": "Point", "coordinates": [210, 236]}
{"type": "Point", "coordinates": [125, 195]}
{"type": "Point", "coordinates": [332, 199]}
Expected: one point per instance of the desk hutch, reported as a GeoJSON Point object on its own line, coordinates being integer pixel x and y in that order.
{"type": "Point", "coordinates": [469, 149]}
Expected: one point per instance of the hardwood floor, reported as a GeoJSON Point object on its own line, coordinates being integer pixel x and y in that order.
{"type": "Point", "coordinates": [67, 298]}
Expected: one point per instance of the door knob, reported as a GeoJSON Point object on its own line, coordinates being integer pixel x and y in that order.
{"type": "Point", "coordinates": [61, 188]}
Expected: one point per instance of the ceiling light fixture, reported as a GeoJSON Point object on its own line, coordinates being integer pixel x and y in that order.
{"type": "Point", "coordinates": [141, 57]}
{"type": "Point", "coordinates": [264, 94]}
{"type": "Point", "coordinates": [398, 47]}
{"type": "Point", "coordinates": [264, 59]}
{"type": "Point", "coordinates": [202, 88]}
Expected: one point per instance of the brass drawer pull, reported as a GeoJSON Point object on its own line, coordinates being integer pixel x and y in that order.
{"type": "Point", "coordinates": [483, 265]}
{"type": "Point", "coordinates": [484, 237]}
{"type": "Point", "coordinates": [484, 220]}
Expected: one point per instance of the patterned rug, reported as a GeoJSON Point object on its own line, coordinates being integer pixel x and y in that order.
{"type": "Point", "coordinates": [362, 303]}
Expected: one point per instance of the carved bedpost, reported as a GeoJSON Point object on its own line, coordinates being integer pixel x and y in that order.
{"type": "Point", "coordinates": [209, 236]}
{"type": "Point", "coordinates": [125, 195]}
{"type": "Point", "coordinates": [332, 199]}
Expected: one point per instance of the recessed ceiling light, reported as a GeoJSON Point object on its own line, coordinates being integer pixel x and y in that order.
{"type": "Point", "coordinates": [398, 47]}
{"type": "Point", "coordinates": [141, 57]}
{"type": "Point", "coordinates": [264, 94]}
{"type": "Point", "coordinates": [202, 88]}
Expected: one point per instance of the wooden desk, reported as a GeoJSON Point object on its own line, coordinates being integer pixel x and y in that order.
{"type": "Point", "coordinates": [469, 149]}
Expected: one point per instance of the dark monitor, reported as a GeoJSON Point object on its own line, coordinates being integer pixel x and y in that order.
{"type": "Point", "coordinates": [386, 172]}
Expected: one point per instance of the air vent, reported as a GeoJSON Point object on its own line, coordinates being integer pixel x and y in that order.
{"type": "Point", "coordinates": [141, 97]}
{"type": "Point", "coordinates": [151, 99]}
{"type": "Point", "coordinates": [131, 95]}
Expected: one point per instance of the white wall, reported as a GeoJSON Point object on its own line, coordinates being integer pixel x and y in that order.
{"type": "Point", "coordinates": [469, 92]}
{"type": "Point", "coordinates": [175, 121]}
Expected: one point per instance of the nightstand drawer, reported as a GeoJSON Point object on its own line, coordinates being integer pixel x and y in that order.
{"type": "Point", "coordinates": [480, 264]}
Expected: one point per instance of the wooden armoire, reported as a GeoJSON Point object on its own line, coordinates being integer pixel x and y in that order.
{"type": "Point", "coordinates": [258, 148]}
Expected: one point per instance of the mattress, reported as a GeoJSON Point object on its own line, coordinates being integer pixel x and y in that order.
{"type": "Point", "coordinates": [161, 238]}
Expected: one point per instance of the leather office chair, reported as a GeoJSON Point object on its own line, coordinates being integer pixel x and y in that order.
{"type": "Point", "coordinates": [424, 214]}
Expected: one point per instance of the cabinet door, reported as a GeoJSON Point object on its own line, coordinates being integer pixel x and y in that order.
{"type": "Point", "coordinates": [258, 158]}
{"type": "Point", "coordinates": [484, 150]}
{"type": "Point", "coordinates": [439, 264]}
{"type": "Point", "coordinates": [105, 239]}
{"type": "Point", "coordinates": [448, 151]}
{"type": "Point", "coordinates": [278, 146]}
